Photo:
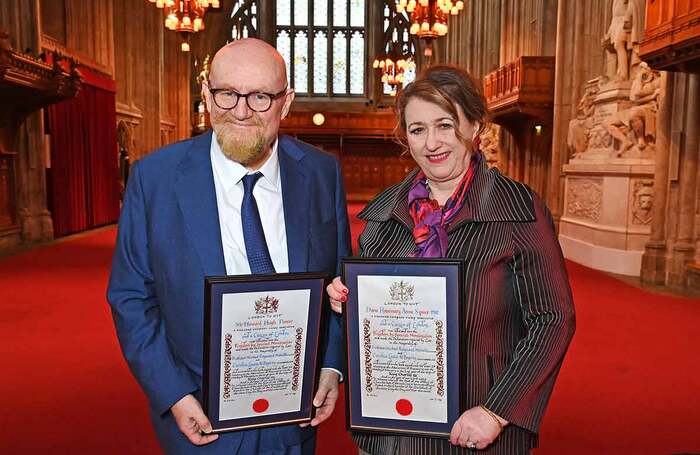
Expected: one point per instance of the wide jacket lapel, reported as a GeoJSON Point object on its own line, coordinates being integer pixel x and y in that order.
{"type": "Point", "coordinates": [196, 196]}
{"type": "Point", "coordinates": [296, 199]}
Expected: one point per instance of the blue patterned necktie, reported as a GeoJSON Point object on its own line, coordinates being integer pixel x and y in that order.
{"type": "Point", "coordinates": [253, 235]}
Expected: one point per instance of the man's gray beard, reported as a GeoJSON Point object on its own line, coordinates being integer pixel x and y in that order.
{"type": "Point", "coordinates": [245, 149]}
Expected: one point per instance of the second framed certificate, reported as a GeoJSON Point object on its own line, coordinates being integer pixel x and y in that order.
{"type": "Point", "coordinates": [403, 319]}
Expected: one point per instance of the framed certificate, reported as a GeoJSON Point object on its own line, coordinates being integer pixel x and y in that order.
{"type": "Point", "coordinates": [404, 326]}
{"type": "Point", "coordinates": [261, 337]}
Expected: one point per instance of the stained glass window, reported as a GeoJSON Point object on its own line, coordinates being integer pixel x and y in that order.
{"type": "Point", "coordinates": [340, 44]}
{"type": "Point", "coordinates": [328, 43]}
{"type": "Point", "coordinates": [320, 63]}
{"type": "Point", "coordinates": [301, 61]}
{"type": "Point", "coordinates": [284, 46]}
{"type": "Point", "coordinates": [244, 19]}
{"type": "Point", "coordinates": [357, 63]}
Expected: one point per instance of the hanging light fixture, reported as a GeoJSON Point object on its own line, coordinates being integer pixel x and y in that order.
{"type": "Point", "coordinates": [429, 17]}
{"type": "Point", "coordinates": [185, 16]}
{"type": "Point", "coordinates": [393, 67]}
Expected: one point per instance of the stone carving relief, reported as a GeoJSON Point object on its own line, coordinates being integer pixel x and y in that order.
{"type": "Point", "coordinates": [621, 42]}
{"type": "Point", "coordinates": [635, 127]}
{"type": "Point", "coordinates": [616, 116]}
{"type": "Point", "coordinates": [643, 202]}
{"type": "Point", "coordinates": [580, 127]}
{"type": "Point", "coordinates": [490, 144]}
{"type": "Point", "coordinates": [584, 198]}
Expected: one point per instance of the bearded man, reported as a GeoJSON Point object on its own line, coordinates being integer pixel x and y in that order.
{"type": "Point", "coordinates": [187, 214]}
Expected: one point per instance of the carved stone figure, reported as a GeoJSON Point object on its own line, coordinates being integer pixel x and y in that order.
{"type": "Point", "coordinates": [204, 73]}
{"type": "Point", "coordinates": [579, 128]}
{"type": "Point", "coordinates": [622, 39]}
{"type": "Point", "coordinates": [635, 127]}
{"type": "Point", "coordinates": [490, 146]}
{"type": "Point", "coordinates": [643, 202]}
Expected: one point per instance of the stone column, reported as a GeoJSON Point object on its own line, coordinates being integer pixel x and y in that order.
{"type": "Point", "coordinates": [562, 102]}
{"type": "Point", "coordinates": [684, 250]}
{"type": "Point", "coordinates": [654, 257]}
{"type": "Point", "coordinates": [21, 19]}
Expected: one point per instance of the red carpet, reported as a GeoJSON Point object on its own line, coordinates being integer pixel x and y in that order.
{"type": "Point", "coordinates": [629, 386]}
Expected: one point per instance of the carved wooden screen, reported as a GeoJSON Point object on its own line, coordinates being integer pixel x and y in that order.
{"type": "Point", "coordinates": [396, 28]}
{"type": "Point", "coordinates": [244, 19]}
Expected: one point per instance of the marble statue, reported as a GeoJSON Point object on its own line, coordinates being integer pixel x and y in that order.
{"type": "Point", "coordinates": [635, 127]}
{"type": "Point", "coordinates": [580, 127]}
{"type": "Point", "coordinates": [622, 39]}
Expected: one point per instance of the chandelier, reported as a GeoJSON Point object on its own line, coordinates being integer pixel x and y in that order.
{"type": "Point", "coordinates": [393, 67]}
{"type": "Point", "coordinates": [429, 17]}
{"type": "Point", "coordinates": [185, 16]}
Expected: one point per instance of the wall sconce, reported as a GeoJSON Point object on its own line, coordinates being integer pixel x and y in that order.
{"type": "Point", "coordinates": [318, 119]}
{"type": "Point", "coordinates": [538, 130]}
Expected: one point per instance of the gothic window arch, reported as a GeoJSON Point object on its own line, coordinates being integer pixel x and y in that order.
{"type": "Point", "coordinates": [324, 44]}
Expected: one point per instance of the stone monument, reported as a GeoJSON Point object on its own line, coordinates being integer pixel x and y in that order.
{"type": "Point", "coordinates": [611, 142]}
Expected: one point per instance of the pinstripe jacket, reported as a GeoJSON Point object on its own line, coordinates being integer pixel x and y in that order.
{"type": "Point", "coordinates": [519, 310]}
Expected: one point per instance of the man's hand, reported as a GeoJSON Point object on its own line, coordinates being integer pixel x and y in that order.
{"type": "Point", "coordinates": [475, 429]}
{"type": "Point", "coordinates": [326, 396]}
{"type": "Point", "coordinates": [192, 422]}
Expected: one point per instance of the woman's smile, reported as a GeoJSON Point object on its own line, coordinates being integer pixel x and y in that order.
{"type": "Point", "coordinates": [438, 157]}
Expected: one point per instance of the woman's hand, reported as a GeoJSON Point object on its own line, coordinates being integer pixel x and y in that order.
{"type": "Point", "coordinates": [338, 293]}
{"type": "Point", "coordinates": [475, 429]}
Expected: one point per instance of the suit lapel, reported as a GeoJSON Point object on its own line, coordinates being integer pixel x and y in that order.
{"type": "Point", "coordinates": [296, 199]}
{"type": "Point", "coordinates": [196, 197]}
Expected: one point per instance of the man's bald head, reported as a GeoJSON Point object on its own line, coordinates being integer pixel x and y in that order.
{"type": "Point", "coordinates": [240, 70]}
{"type": "Point", "coordinates": [249, 61]}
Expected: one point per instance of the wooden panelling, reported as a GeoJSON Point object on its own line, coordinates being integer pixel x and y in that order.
{"type": "Point", "coordinates": [525, 85]}
{"type": "Point", "coordinates": [672, 35]}
{"type": "Point", "coordinates": [520, 96]}
{"type": "Point", "coordinates": [363, 142]}
{"type": "Point", "coordinates": [366, 124]}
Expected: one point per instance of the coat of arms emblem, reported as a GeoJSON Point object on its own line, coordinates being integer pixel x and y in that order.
{"type": "Point", "coordinates": [401, 291]}
{"type": "Point", "coordinates": [266, 305]}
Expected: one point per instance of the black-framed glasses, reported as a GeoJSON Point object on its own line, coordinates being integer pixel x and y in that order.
{"type": "Point", "coordinates": [227, 99]}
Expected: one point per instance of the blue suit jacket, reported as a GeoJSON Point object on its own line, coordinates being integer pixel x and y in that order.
{"type": "Point", "coordinates": [169, 240]}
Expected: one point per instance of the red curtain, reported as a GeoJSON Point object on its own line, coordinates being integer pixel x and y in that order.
{"type": "Point", "coordinates": [84, 175]}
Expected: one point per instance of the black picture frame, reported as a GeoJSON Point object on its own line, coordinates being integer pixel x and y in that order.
{"type": "Point", "coordinates": [452, 271]}
{"type": "Point", "coordinates": [214, 289]}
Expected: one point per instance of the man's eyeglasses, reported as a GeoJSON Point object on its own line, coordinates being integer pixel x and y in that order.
{"type": "Point", "coordinates": [257, 101]}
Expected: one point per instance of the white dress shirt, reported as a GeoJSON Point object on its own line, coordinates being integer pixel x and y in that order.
{"type": "Point", "coordinates": [228, 182]}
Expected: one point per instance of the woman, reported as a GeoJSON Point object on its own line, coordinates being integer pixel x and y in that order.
{"type": "Point", "coordinates": [520, 315]}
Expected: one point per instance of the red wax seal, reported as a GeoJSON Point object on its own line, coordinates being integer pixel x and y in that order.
{"type": "Point", "coordinates": [404, 407]}
{"type": "Point", "coordinates": [260, 405]}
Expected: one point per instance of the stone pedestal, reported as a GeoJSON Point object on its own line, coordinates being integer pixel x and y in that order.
{"type": "Point", "coordinates": [609, 180]}
{"type": "Point", "coordinates": [607, 213]}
